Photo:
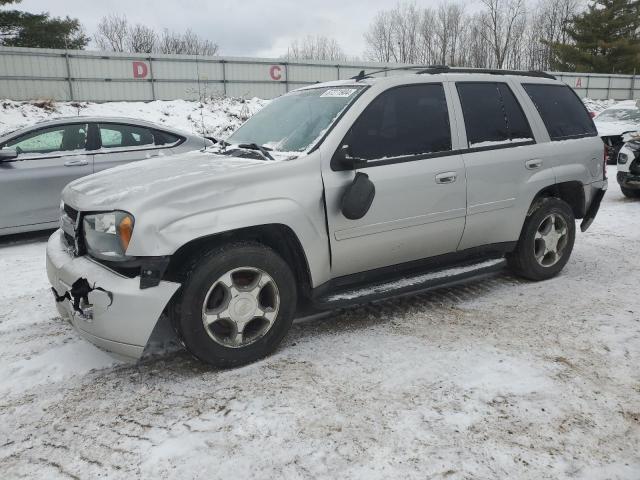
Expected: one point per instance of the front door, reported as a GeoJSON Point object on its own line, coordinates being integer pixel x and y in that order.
{"type": "Point", "coordinates": [418, 211]}
{"type": "Point", "coordinates": [48, 159]}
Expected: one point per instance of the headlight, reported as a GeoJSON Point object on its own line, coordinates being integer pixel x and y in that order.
{"type": "Point", "coordinates": [622, 158]}
{"type": "Point", "coordinates": [107, 235]}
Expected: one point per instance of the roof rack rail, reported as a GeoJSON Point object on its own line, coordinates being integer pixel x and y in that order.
{"type": "Point", "coordinates": [436, 69]}
{"type": "Point", "coordinates": [364, 74]}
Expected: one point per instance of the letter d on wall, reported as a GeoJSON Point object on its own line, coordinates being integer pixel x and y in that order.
{"type": "Point", "coordinates": [140, 70]}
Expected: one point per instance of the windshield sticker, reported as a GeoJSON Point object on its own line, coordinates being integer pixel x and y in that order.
{"type": "Point", "coordinates": [339, 92]}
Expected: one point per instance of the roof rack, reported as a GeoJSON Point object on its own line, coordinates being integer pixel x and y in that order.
{"type": "Point", "coordinates": [436, 69]}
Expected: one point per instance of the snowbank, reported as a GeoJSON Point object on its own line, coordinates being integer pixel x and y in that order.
{"type": "Point", "coordinates": [218, 117]}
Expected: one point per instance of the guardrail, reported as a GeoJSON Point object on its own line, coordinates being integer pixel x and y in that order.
{"type": "Point", "coordinates": [28, 73]}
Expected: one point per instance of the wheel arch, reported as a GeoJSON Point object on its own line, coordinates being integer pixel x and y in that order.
{"type": "Point", "coordinates": [571, 192]}
{"type": "Point", "coordinates": [279, 237]}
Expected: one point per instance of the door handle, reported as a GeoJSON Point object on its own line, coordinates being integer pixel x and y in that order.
{"type": "Point", "coordinates": [446, 177]}
{"type": "Point", "coordinates": [533, 164]}
{"type": "Point", "coordinates": [76, 163]}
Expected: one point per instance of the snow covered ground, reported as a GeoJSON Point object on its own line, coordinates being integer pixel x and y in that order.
{"type": "Point", "coordinates": [500, 378]}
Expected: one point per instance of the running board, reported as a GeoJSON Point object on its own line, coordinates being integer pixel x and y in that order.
{"type": "Point", "coordinates": [407, 285]}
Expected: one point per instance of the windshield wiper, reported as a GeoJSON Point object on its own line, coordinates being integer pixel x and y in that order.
{"type": "Point", "coordinates": [254, 146]}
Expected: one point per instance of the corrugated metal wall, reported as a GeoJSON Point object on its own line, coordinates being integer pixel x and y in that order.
{"type": "Point", "coordinates": [27, 74]}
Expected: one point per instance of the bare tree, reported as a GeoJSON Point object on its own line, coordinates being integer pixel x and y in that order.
{"type": "Point", "coordinates": [186, 44]}
{"type": "Point", "coordinates": [501, 21]}
{"type": "Point", "coordinates": [141, 39]}
{"type": "Point", "coordinates": [112, 33]}
{"type": "Point", "coordinates": [316, 48]}
{"type": "Point", "coordinates": [115, 34]}
{"type": "Point", "coordinates": [379, 38]}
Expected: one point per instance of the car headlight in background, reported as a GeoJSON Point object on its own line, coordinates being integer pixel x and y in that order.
{"type": "Point", "coordinates": [107, 234]}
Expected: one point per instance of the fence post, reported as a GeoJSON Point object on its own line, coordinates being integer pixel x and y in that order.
{"type": "Point", "coordinates": [224, 77]}
{"type": "Point", "coordinates": [609, 87]}
{"type": "Point", "coordinates": [69, 81]}
{"type": "Point", "coordinates": [286, 76]}
{"type": "Point", "coordinates": [338, 69]}
{"type": "Point", "coordinates": [153, 82]}
{"type": "Point", "coordinates": [587, 92]}
{"type": "Point", "coordinates": [633, 86]}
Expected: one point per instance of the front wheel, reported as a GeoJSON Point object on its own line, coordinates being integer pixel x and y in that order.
{"type": "Point", "coordinates": [237, 304]}
{"type": "Point", "coordinates": [546, 240]}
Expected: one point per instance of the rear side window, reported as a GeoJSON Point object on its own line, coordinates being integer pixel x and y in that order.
{"type": "Point", "coordinates": [403, 121]}
{"type": "Point", "coordinates": [562, 112]}
{"type": "Point", "coordinates": [165, 138]}
{"type": "Point", "coordinates": [116, 135]}
{"type": "Point", "coordinates": [492, 115]}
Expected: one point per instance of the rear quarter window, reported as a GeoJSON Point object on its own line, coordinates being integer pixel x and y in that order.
{"type": "Point", "coordinates": [563, 113]}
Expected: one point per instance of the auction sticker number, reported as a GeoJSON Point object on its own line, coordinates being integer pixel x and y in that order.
{"type": "Point", "coordinates": [339, 92]}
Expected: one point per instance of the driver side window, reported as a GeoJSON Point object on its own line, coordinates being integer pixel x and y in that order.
{"type": "Point", "coordinates": [403, 121]}
{"type": "Point", "coordinates": [62, 138]}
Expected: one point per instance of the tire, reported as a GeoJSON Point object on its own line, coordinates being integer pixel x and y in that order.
{"type": "Point", "coordinates": [529, 259]}
{"type": "Point", "coordinates": [229, 278]}
{"type": "Point", "coordinates": [627, 192]}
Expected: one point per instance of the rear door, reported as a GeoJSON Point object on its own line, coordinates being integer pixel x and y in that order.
{"type": "Point", "coordinates": [121, 143]}
{"type": "Point", "coordinates": [505, 165]}
{"type": "Point", "coordinates": [48, 159]}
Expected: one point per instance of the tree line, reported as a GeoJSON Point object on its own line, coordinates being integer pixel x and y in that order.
{"type": "Point", "coordinates": [571, 35]}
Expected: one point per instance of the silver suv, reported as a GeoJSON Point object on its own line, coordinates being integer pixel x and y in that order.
{"type": "Point", "coordinates": [332, 195]}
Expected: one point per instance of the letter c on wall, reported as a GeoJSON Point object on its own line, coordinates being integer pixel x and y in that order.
{"type": "Point", "coordinates": [140, 70]}
{"type": "Point", "coordinates": [275, 72]}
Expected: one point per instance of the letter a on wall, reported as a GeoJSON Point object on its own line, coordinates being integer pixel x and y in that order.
{"type": "Point", "coordinates": [140, 70]}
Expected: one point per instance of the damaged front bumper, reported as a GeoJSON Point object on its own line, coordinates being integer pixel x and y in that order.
{"type": "Point", "coordinates": [106, 308]}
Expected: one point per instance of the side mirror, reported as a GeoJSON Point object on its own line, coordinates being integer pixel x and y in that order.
{"type": "Point", "coordinates": [344, 158]}
{"type": "Point", "coordinates": [358, 197]}
{"type": "Point", "coordinates": [8, 154]}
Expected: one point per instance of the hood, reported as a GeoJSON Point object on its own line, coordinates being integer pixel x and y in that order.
{"type": "Point", "coordinates": [156, 178]}
{"type": "Point", "coordinates": [607, 129]}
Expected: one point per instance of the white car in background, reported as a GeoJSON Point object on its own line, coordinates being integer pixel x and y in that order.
{"type": "Point", "coordinates": [629, 167]}
{"type": "Point", "coordinates": [615, 121]}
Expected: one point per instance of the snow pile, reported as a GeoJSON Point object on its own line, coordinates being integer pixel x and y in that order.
{"type": "Point", "coordinates": [597, 106]}
{"type": "Point", "coordinates": [217, 117]}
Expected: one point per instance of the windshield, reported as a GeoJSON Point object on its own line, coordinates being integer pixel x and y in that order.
{"type": "Point", "coordinates": [296, 121]}
{"type": "Point", "coordinates": [631, 115]}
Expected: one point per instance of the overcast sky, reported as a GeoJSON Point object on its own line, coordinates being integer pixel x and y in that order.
{"type": "Point", "coordinates": [240, 27]}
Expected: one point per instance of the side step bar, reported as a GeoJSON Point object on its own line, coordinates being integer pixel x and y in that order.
{"type": "Point", "coordinates": [407, 285]}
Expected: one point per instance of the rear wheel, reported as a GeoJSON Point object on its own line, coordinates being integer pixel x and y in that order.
{"type": "Point", "coordinates": [237, 304]}
{"type": "Point", "coordinates": [546, 240]}
{"type": "Point", "coordinates": [630, 193]}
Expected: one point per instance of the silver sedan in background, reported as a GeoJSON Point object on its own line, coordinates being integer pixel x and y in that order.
{"type": "Point", "coordinates": [36, 162]}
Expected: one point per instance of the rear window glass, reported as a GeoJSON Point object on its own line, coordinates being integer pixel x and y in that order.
{"type": "Point", "coordinates": [492, 115]}
{"type": "Point", "coordinates": [562, 112]}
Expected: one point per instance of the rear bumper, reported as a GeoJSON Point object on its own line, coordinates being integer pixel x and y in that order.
{"type": "Point", "coordinates": [119, 316]}
{"type": "Point", "coordinates": [596, 194]}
